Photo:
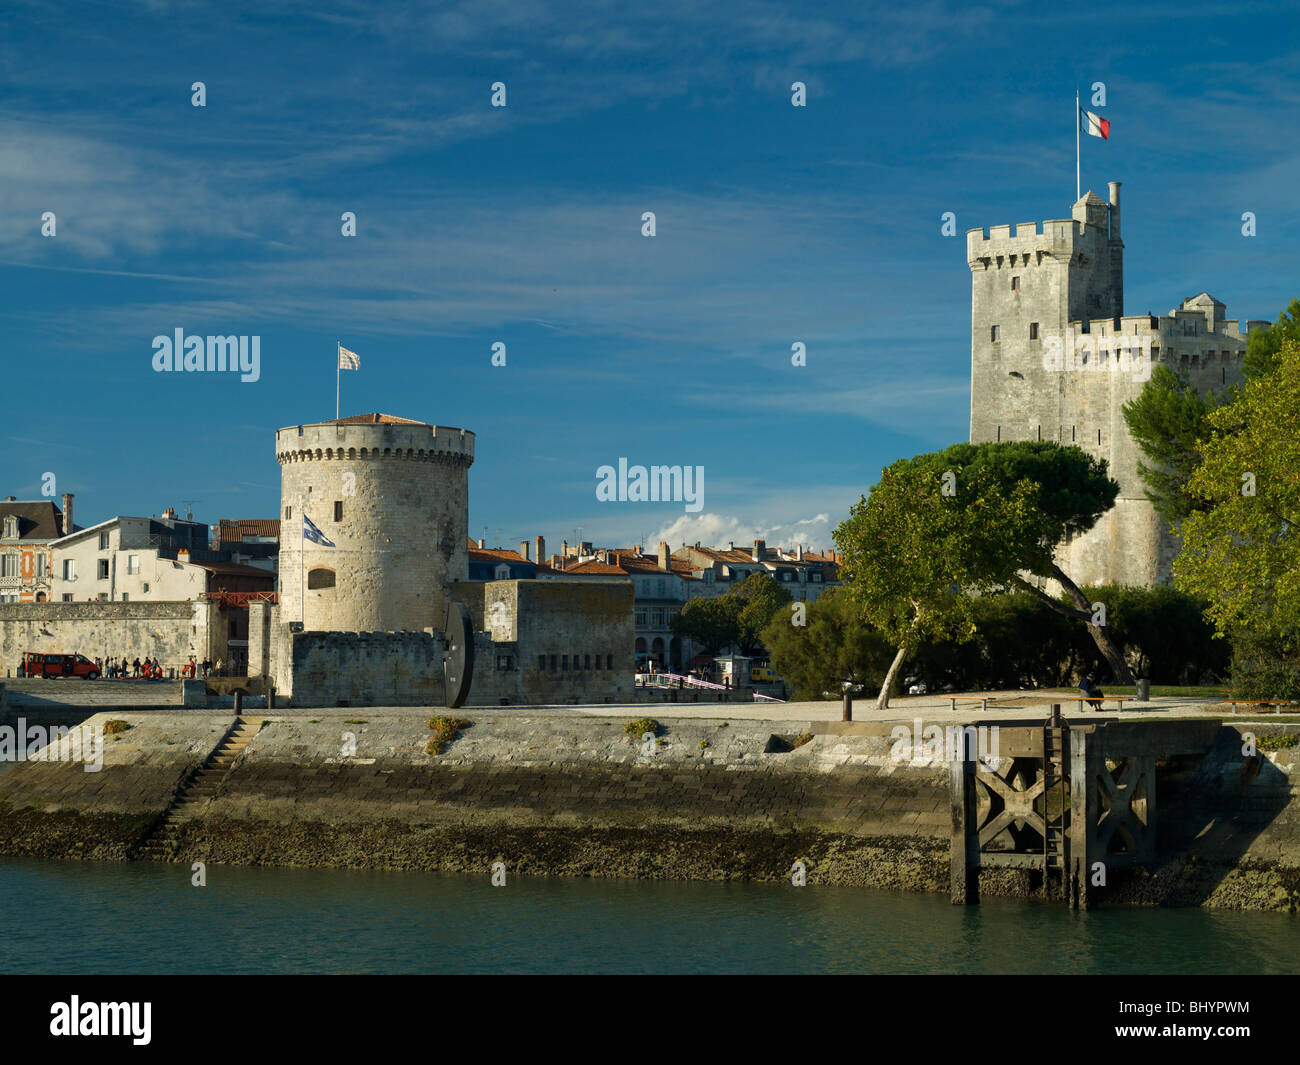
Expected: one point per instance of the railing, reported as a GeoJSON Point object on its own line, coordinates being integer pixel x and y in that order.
{"type": "Point", "coordinates": [664, 680]}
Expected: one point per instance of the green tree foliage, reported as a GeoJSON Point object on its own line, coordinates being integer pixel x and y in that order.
{"type": "Point", "coordinates": [1242, 553]}
{"type": "Point", "coordinates": [930, 533]}
{"type": "Point", "coordinates": [1263, 345]}
{"type": "Point", "coordinates": [734, 619]}
{"type": "Point", "coordinates": [908, 551]}
{"type": "Point", "coordinates": [1163, 632]}
{"type": "Point", "coordinates": [763, 600]}
{"type": "Point", "coordinates": [712, 623]}
{"type": "Point", "coordinates": [835, 647]}
{"type": "Point", "coordinates": [1168, 420]}
{"type": "Point", "coordinates": [1072, 490]}
{"type": "Point", "coordinates": [1019, 642]}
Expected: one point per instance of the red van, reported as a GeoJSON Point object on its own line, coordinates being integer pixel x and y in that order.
{"type": "Point", "coordinates": [39, 664]}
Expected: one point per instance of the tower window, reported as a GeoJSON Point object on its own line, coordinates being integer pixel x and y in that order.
{"type": "Point", "coordinates": [1099, 438]}
{"type": "Point", "coordinates": [1033, 330]}
{"type": "Point", "coordinates": [338, 510]}
{"type": "Point", "coordinates": [993, 333]}
{"type": "Point", "coordinates": [320, 578]}
{"type": "Point", "coordinates": [288, 512]}
{"type": "Point", "coordinates": [1015, 284]}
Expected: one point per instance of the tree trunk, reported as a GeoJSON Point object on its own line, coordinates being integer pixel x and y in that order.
{"type": "Point", "coordinates": [1083, 612]}
{"type": "Point", "coordinates": [882, 703]}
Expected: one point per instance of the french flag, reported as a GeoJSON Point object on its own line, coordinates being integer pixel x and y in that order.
{"type": "Point", "coordinates": [1094, 125]}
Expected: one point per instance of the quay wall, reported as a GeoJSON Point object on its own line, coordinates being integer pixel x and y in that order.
{"type": "Point", "coordinates": [567, 794]}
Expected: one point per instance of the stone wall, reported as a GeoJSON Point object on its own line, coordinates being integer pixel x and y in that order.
{"type": "Point", "coordinates": [573, 640]}
{"type": "Point", "coordinates": [169, 632]}
{"type": "Point", "coordinates": [573, 794]}
{"type": "Point", "coordinates": [366, 669]}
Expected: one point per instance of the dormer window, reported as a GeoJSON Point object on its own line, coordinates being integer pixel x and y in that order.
{"type": "Point", "coordinates": [11, 527]}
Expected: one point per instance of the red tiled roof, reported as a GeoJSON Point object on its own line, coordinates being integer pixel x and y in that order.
{"type": "Point", "coordinates": [233, 530]}
{"type": "Point", "coordinates": [235, 569]}
{"type": "Point", "coordinates": [497, 554]}
{"type": "Point", "coordinates": [373, 419]}
{"type": "Point", "coordinates": [593, 568]}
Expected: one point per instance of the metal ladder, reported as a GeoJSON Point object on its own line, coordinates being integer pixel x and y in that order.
{"type": "Point", "coordinates": [1055, 797]}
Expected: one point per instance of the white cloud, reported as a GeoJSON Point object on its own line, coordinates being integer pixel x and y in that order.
{"type": "Point", "coordinates": [717, 530]}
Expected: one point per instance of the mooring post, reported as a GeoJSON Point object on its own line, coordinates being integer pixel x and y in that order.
{"type": "Point", "coordinates": [964, 864]}
{"type": "Point", "coordinates": [1084, 749]}
{"type": "Point", "coordinates": [848, 705]}
{"type": "Point", "coordinates": [239, 702]}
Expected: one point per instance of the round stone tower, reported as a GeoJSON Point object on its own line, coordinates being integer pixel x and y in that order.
{"type": "Point", "coordinates": [392, 496]}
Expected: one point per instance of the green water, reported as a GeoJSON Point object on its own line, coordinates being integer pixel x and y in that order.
{"type": "Point", "coordinates": [89, 917]}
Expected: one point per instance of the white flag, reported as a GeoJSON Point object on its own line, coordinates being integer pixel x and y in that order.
{"type": "Point", "coordinates": [348, 360]}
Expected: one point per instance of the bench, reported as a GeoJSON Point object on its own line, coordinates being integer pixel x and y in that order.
{"type": "Point", "coordinates": [1080, 700]}
{"type": "Point", "coordinates": [1277, 704]}
{"type": "Point", "coordinates": [973, 702]}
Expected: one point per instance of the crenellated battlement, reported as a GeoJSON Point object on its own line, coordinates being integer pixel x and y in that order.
{"type": "Point", "coordinates": [997, 246]}
{"type": "Point", "coordinates": [351, 441]}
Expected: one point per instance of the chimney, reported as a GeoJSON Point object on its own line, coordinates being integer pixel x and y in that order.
{"type": "Point", "coordinates": [799, 553]}
{"type": "Point", "coordinates": [169, 514]}
{"type": "Point", "coordinates": [541, 548]}
{"type": "Point", "coordinates": [663, 555]}
{"type": "Point", "coordinates": [564, 548]}
{"type": "Point", "coordinates": [523, 549]}
{"type": "Point", "coordinates": [482, 543]}
{"type": "Point", "coordinates": [67, 513]}
{"type": "Point", "coordinates": [183, 555]}
{"type": "Point", "coordinates": [731, 545]}
{"type": "Point", "coordinates": [759, 548]}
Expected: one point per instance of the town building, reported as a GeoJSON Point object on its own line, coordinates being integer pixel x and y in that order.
{"type": "Point", "coordinates": [28, 528]}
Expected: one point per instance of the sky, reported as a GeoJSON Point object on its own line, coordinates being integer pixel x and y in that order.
{"type": "Point", "coordinates": [523, 225]}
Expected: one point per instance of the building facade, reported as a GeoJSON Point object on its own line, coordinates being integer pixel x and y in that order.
{"type": "Point", "coordinates": [28, 529]}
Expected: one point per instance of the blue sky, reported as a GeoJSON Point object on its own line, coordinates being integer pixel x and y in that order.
{"type": "Point", "coordinates": [522, 224]}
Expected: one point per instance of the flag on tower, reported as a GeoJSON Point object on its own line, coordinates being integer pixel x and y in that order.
{"type": "Point", "coordinates": [310, 532]}
{"type": "Point", "coordinates": [1094, 125]}
{"type": "Point", "coordinates": [348, 360]}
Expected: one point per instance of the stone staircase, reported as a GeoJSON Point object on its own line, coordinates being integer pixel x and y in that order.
{"type": "Point", "coordinates": [194, 794]}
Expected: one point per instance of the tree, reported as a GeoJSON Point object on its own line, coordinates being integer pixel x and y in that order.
{"type": "Point", "coordinates": [834, 647]}
{"type": "Point", "coordinates": [1168, 421]}
{"type": "Point", "coordinates": [763, 599]}
{"type": "Point", "coordinates": [912, 549]}
{"type": "Point", "coordinates": [1072, 490]}
{"type": "Point", "coordinates": [1242, 553]}
{"type": "Point", "coordinates": [1263, 345]}
{"type": "Point", "coordinates": [711, 623]}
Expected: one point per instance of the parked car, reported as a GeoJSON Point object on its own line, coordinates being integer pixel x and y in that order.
{"type": "Point", "coordinates": [40, 664]}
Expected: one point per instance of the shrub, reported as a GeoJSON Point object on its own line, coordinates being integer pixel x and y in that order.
{"type": "Point", "coordinates": [1277, 743]}
{"type": "Point", "coordinates": [638, 728]}
{"type": "Point", "coordinates": [445, 729]}
{"type": "Point", "coordinates": [112, 728]}
{"type": "Point", "coordinates": [801, 739]}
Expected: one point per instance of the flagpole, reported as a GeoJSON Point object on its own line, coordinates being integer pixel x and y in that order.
{"type": "Point", "coordinates": [338, 358]}
{"type": "Point", "coordinates": [1078, 191]}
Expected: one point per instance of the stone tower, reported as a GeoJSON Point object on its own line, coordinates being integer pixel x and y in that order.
{"type": "Point", "coordinates": [1054, 358]}
{"type": "Point", "coordinates": [392, 495]}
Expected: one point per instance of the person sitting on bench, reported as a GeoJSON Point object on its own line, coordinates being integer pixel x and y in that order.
{"type": "Point", "coordinates": [1092, 694]}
